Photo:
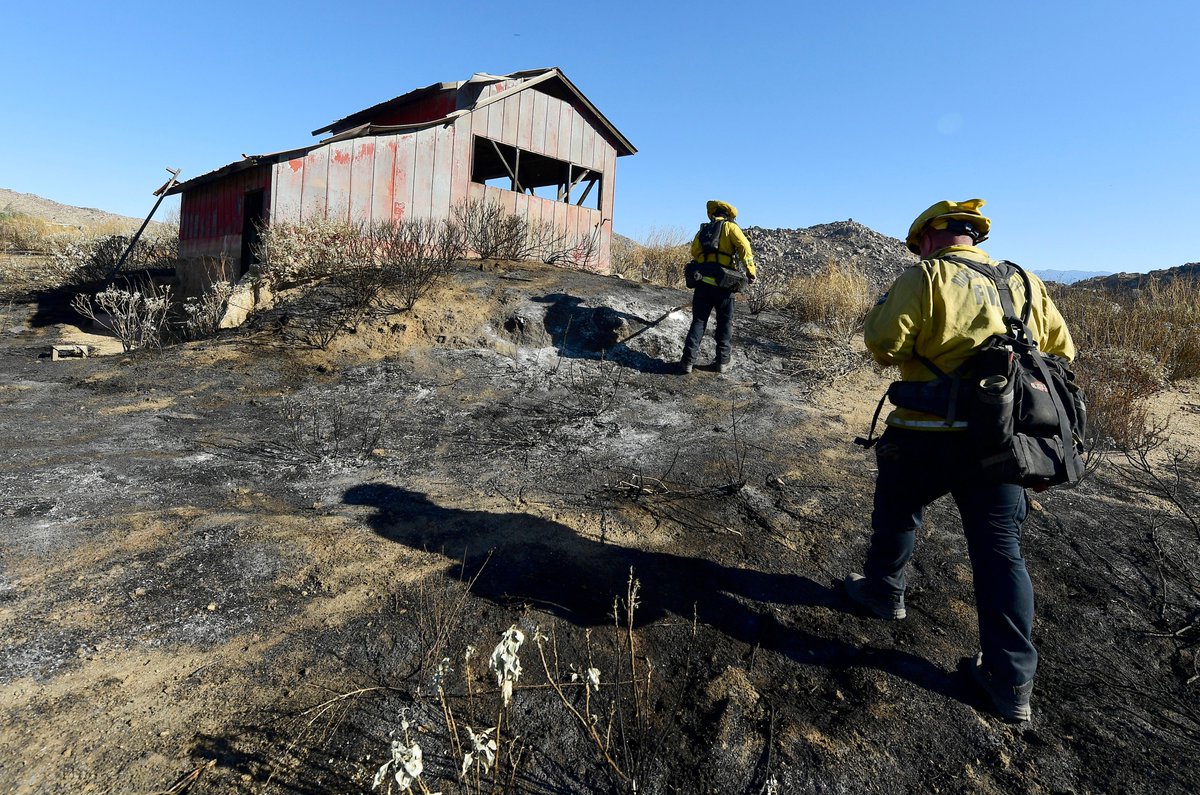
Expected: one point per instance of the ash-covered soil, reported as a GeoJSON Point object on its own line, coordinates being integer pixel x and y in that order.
{"type": "Point", "coordinates": [243, 565]}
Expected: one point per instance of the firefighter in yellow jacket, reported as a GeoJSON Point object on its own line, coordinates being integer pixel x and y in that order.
{"type": "Point", "coordinates": [938, 312]}
{"type": "Point", "coordinates": [719, 242]}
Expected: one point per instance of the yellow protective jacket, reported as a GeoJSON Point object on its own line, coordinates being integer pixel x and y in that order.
{"type": "Point", "coordinates": [943, 311]}
{"type": "Point", "coordinates": [732, 246]}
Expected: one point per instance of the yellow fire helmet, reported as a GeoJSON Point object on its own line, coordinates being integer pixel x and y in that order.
{"type": "Point", "coordinates": [717, 207]}
{"type": "Point", "coordinates": [941, 214]}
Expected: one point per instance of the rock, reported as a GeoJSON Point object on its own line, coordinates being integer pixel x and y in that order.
{"type": "Point", "coordinates": [789, 253]}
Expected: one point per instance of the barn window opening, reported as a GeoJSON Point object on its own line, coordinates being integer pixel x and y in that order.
{"type": "Point", "coordinates": [509, 168]}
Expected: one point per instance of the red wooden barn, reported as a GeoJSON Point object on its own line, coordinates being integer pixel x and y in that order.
{"type": "Point", "coordinates": [528, 140]}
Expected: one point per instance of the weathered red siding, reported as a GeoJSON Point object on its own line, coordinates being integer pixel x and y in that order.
{"type": "Point", "coordinates": [422, 173]}
{"type": "Point", "coordinates": [210, 216]}
{"type": "Point", "coordinates": [427, 109]}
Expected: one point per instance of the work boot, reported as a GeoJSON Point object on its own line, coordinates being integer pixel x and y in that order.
{"type": "Point", "coordinates": [889, 608]}
{"type": "Point", "coordinates": [685, 367]}
{"type": "Point", "coordinates": [721, 367]}
{"type": "Point", "coordinates": [1011, 703]}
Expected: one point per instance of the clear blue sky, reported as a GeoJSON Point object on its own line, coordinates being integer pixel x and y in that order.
{"type": "Point", "coordinates": [1077, 121]}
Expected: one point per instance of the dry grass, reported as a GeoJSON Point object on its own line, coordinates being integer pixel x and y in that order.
{"type": "Point", "coordinates": [659, 259]}
{"type": "Point", "coordinates": [23, 232]}
{"type": "Point", "coordinates": [836, 299]}
{"type": "Point", "coordinates": [1131, 345]}
{"type": "Point", "coordinates": [1161, 320]}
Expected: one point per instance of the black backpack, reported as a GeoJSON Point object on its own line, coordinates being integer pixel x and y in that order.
{"type": "Point", "coordinates": [1025, 413]}
{"type": "Point", "coordinates": [733, 278]}
{"type": "Point", "coordinates": [710, 236]}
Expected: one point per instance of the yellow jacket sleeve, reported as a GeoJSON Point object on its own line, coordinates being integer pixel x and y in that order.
{"type": "Point", "coordinates": [1052, 333]}
{"type": "Point", "coordinates": [739, 245]}
{"type": "Point", "coordinates": [891, 327]}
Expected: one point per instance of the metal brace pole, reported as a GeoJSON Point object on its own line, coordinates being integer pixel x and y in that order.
{"type": "Point", "coordinates": [161, 194]}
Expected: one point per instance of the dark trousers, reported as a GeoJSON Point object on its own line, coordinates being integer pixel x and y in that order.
{"type": "Point", "coordinates": [917, 467]}
{"type": "Point", "coordinates": [706, 298]}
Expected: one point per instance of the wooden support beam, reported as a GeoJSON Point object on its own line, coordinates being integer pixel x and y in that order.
{"type": "Point", "coordinates": [564, 192]}
{"type": "Point", "coordinates": [583, 173]}
{"type": "Point", "coordinates": [511, 172]}
{"type": "Point", "coordinates": [591, 184]}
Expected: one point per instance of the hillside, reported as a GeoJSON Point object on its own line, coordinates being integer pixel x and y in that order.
{"type": "Point", "coordinates": [62, 214]}
{"type": "Point", "coordinates": [243, 565]}
{"type": "Point", "coordinates": [1131, 281]}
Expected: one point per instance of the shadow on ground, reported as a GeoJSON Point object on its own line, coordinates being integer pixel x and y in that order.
{"type": "Point", "coordinates": [515, 559]}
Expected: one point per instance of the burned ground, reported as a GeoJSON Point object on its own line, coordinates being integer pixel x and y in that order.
{"type": "Point", "coordinates": [251, 561]}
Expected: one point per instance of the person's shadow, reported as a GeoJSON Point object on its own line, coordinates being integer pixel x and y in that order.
{"type": "Point", "coordinates": [586, 332]}
{"type": "Point", "coordinates": [521, 559]}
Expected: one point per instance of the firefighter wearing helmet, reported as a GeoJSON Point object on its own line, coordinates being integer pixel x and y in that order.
{"type": "Point", "coordinates": [936, 314]}
{"type": "Point", "coordinates": [722, 263]}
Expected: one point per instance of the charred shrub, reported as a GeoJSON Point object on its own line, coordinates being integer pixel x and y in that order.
{"type": "Point", "coordinates": [137, 316]}
{"type": "Point", "coordinates": [293, 254]}
{"type": "Point", "coordinates": [201, 315]}
{"type": "Point", "coordinates": [81, 260]}
{"type": "Point", "coordinates": [491, 232]}
{"type": "Point", "coordinates": [333, 274]}
{"type": "Point", "coordinates": [767, 292]}
{"type": "Point", "coordinates": [413, 255]}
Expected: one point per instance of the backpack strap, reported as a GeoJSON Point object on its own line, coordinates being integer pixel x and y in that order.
{"type": "Point", "coordinates": [716, 238]}
{"type": "Point", "coordinates": [871, 439]}
{"type": "Point", "coordinates": [956, 381]}
{"type": "Point", "coordinates": [999, 275]}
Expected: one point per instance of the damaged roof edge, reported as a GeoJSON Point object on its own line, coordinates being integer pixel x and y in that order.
{"type": "Point", "coordinates": [532, 77]}
{"type": "Point", "coordinates": [411, 95]}
{"type": "Point", "coordinates": [536, 77]}
{"type": "Point", "coordinates": [247, 161]}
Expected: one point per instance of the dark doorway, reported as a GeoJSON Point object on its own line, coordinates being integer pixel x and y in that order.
{"type": "Point", "coordinates": [252, 221]}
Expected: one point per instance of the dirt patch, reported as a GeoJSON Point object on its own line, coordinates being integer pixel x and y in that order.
{"type": "Point", "coordinates": [269, 558]}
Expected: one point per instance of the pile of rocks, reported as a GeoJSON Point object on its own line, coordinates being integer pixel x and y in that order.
{"type": "Point", "coordinates": [803, 252]}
